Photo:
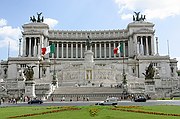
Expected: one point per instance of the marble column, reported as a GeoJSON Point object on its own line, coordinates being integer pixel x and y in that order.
{"type": "Point", "coordinates": [62, 50]}
{"type": "Point", "coordinates": [109, 49]}
{"type": "Point", "coordinates": [35, 47]}
{"type": "Point", "coordinates": [138, 45]}
{"type": "Point", "coordinates": [57, 52]}
{"type": "Point", "coordinates": [141, 46]}
{"type": "Point", "coordinates": [76, 49]}
{"type": "Point", "coordinates": [39, 50]}
{"type": "Point", "coordinates": [81, 50]}
{"type": "Point", "coordinates": [85, 47]}
{"type": "Point", "coordinates": [71, 49]}
{"type": "Point", "coordinates": [29, 47]}
{"type": "Point", "coordinates": [66, 49]}
{"type": "Point", "coordinates": [100, 49]}
{"type": "Point", "coordinates": [24, 46]}
{"type": "Point", "coordinates": [124, 52]}
{"type": "Point", "coordinates": [114, 48]}
{"type": "Point", "coordinates": [104, 49]}
{"type": "Point", "coordinates": [95, 49]}
{"type": "Point", "coordinates": [147, 46]}
{"type": "Point", "coordinates": [152, 45]}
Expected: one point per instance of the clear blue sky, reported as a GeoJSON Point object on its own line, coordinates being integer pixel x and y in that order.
{"type": "Point", "coordinates": [90, 15]}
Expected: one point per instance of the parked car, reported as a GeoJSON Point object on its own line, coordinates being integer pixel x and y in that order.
{"type": "Point", "coordinates": [140, 99]}
{"type": "Point", "coordinates": [109, 101]}
{"type": "Point", "coordinates": [175, 94]}
{"type": "Point", "coordinates": [35, 101]}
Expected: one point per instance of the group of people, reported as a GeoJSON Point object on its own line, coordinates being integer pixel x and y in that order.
{"type": "Point", "coordinates": [73, 99]}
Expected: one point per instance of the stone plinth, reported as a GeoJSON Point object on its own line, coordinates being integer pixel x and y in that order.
{"type": "Point", "coordinates": [89, 56]}
{"type": "Point", "coordinates": [30, 89]}
{"type": "Point", "coordinates": [150, 87]}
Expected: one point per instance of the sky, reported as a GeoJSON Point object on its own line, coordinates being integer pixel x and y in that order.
{"type": "Point", "coordinates": [90, 15]}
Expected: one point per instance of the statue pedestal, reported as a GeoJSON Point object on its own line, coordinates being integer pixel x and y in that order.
{"type": "Point", "coordinates": [30, 89]}
{"type": "Point", "coordinates": [89, 56]}
{"type": "Point", "coordinates": [150, 87]}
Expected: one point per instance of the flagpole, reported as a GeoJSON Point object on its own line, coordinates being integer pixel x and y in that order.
{"type": "Point", "coordinates": [124, 82]}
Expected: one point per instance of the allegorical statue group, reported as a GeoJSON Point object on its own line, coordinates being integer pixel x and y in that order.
{"type": "Point", "coordinates": [39, 18]}
{"type": "Point", "coordinates": [138, 17]}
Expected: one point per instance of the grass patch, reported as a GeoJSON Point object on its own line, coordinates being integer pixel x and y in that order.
{"type": "Point", "coordinates": [89, 112]}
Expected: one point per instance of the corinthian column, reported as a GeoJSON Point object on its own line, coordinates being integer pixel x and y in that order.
{"type": "Point", "coordinates": [62, 49]}
{"type": "Point", "coordinates": [29, 47]}
{"type": "Point", "coordinates": [147, 46]}
{"type": "Point", "coordinates": [66, 49]}
{"type": "Point", "coordinates": [76, 49]}
{"type": "Point", "coordinates": [109, 49]}
{"type": "Point", "coordinates": [104, 49]}
{"type": "Point", "coordinates": [100, 49]}
{"type": "Point", "coordinates": [57, 56]}
{"type": "Point", "coordinates": [95, 50]}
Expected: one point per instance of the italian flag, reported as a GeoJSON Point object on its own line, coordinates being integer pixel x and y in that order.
{"type": "Point", "coordinates": [118, 49]}
{"type": "Point", "coordinates": [48, 49]}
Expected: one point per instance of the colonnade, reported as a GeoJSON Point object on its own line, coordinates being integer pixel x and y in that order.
{"type": "Point", "coordinates": [144, 45]}
{"type": "Point", "coordinates": [77, 49]}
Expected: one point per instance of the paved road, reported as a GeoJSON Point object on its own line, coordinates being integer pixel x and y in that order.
{"type": "Point", "coordinates": [84, 103]}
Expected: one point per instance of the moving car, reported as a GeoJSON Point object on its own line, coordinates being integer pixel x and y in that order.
{"type": "Point", "coordinates": [35, 101]}
{"type": "Point", "coordinates": [140, 99]}
{"type": "Point", "coordinates": [109, 101]}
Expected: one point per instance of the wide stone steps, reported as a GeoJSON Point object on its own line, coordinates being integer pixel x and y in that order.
{"type": "Point", "coordinates": [86, 90]}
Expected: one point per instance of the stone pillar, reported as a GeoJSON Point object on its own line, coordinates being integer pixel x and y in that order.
{"type": "Point", "coordinates": [150, 87]}
{"type": "Point", "coordinates": [81, 50]}
{"type": "Point", "coordinates": [91, 47]}
{"type": "Point", "coordinates": [104, 49]}
{"type": "Point", "coordinates": [71, 49]}
{"type": "Point", "coordinates": [35, 47]}
{"type": "Point", "coordinates": [100, 50]}
{"type": "Point", "coordinates": [88, 56]}
{"type": "Point", "coordinates": [95, 49]}
{"type": "Point", "coordinates": [24, 46]}
{"type": "Point", "coordinates": [29, 55]}
{"type": "Point", "coordinates": [38, 50]}
{"type": "Point", "coordinates": [30, 89]}
{"type": "Point", "coordinates": [138, 48]}
{"type": "Point", "coordinates": [66, 49]}
{"type": "Point", "coordinates": [57, 54]}
{"type": "Point", "coordinates": [109, 49]}
{"type": "Point", "coordinates": [76, 49]}
{"type": "Point", "coordinates": [152, 45]}
{"type": "Point", "coordinates": [62, 50]}
{"type": "Point", "coordinates": [141, 46]}
{"type": "Point", "coordinates": [114, 48]}
{"type": "Point", "coordinates": [124, 52]}
{"type": "Point", "coordinates": [86, 48]}
{"type": "Point", "coordinates": [147, 46]}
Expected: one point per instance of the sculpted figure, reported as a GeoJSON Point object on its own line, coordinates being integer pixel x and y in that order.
{"type": "Point", "coordinates": [149, 72]}
{"type": "Point", "coordinates": [29, 73]}
{"type": "Point", "coordinates": [39, 15]}
{"type": "Point", "coordinates": [88, 43]}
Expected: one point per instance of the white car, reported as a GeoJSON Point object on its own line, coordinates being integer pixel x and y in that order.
{"type": "Point", "coordinates": [109, 101]}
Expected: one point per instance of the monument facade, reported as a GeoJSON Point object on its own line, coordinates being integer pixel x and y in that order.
{"type": "Point", "coordinates": [86, 59]}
